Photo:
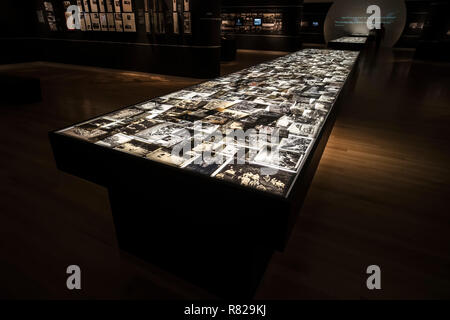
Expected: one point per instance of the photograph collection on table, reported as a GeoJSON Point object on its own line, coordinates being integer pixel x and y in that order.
{"type": "Point", "coordinates": [357, 40]}
{"type": "Point", "coordinates": [254, 127]}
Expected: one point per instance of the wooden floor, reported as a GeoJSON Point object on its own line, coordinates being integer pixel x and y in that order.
{"type": "Point", "coordinates": [380, 194]}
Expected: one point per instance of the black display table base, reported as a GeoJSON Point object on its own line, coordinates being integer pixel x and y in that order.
{"type": "Point", "coordinates": [222, 258]}
{"type": "Point", "coordinates": [347, 46]}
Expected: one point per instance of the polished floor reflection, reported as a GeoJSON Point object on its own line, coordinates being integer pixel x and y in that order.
{"type": "Point", "coordinates": [378, 197]}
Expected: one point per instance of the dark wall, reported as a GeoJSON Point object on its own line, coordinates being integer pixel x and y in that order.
{"type": "Point", "coordinates": [16, 19]}
{"type": "Point", "coordinates": [314, 12]}
{"type": "Point", "coordinates": [195, 55]}
{"type": "Point", "coordinates": [426, 21]}
{"type": "Point", "coordinates": [417, 13]}
{"type": "Point", "coordinates": [437, 23]}
{"type": "Point", "coordinates": [434, 43]}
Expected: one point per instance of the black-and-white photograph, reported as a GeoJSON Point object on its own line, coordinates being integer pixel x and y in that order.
{"type": "Point", "coordinates": [302, 129]}
{"type": "Point", "coordinates": [101, 122]}
{"type": "Point", "coordinates": [159, 131]}
{"type": "Point", "coordinates": [254, 176]}
{"type": "Point", "coordinates": [216, 120]}
{"type": "Point", "coordinates": [272, 155]}
{"type": "Point", "coordinates": [164, 155]}
{"type": "Point", "coordinates": [137, 148]}
{"type": "Point", "coordinates": [138, 126]}
{"type": "Point", "coordinates": [114, 141]}
{"type": "Point", "coordinates": [124, 113]}
{"type": "Point", "coordinates": [295, 144]}
{"type": "Point", "coordinates": [91, 135]}
{"type": "Point", "coordinates": [206, 165]}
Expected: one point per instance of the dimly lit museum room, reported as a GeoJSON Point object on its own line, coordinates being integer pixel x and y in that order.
{"type": "Point", "coordinates": [216, 150]}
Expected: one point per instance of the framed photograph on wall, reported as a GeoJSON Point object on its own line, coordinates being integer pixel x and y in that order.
{"type": "Point", "coordinates": [147, 22]}
{"type": "Point", "coordinates": [103, 21]}
{"type": "Point", "coordinates": [176, 28]}
{"type": "Point", "coordinates": [119, 22]}
{"type": "Point", "coordinates": [187, 26]}
{"type": "Point", "coordinates": [110, 5]}
{"type": "Point", "coordinates": [127, 6]}
{"type": "Point", "coordinates": [82, 22]}
{"type": "Point", "coordinates": [101, 5]}
{"type": "Point", "coordinates": [117, 7]}
{"type": "Point", "coordinates": [86, 6]}
{"type": "Point", "coordinates": [87, 18]}
{"type": "Point", "coordinates": [94, 6]}
{"type": "Point", "coordinates": [95, 21]}
{"type": "Point", "coordinates": [186, 5]}
{"type": "Point", "coordinates": [174, 5]}
{"type": "Point", "coordinates": [129, 22]}
{"type": "Point", "coordinates": [111, 22]}
{"type": "Point", "coordinates": [49, 13]}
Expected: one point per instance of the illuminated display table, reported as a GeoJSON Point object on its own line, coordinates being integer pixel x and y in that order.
{"type": "Point", "coordinates": [348, 43]}
{"type": "Point", "coordinates": [207, 181]}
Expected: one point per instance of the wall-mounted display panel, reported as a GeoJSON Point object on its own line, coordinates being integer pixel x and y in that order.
{"type": "Point", "coordinates": [119, 22]}
{"type": "Point", "coordinates": [93, 5]}
{"type": "Point", "coordinates": [263, 21]}
{"type": "Point", "coordinates": [129, 22]}
{"type": "Point", "coordinates": [127, 6]}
